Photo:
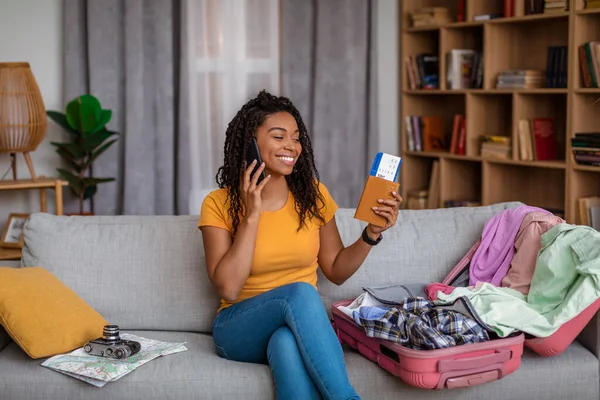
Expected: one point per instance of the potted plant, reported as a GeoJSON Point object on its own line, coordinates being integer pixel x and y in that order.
{"type": "Point", "coordinates": [85, 120]}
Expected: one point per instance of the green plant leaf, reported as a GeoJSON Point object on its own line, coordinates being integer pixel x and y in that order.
{"type": "Point", "coordinates": [90, 191]}
{"type": "Point", "coordinates": [97, 153]}
{"type": "Point", "coordinates": [74, 181]}
{"type": "Point", "coordinates": [94, 181]}
{"type": "Point", "coordinates": [61, 120]}
{"type": "Point", "coordinates": [66, 156]}
{"type": "Point", "coordinates": [83, 113]}
{"type": "Point", "coordinates": [72, 149]}
{"type": "Point", "coordinates": [105, 116]}
{"type": "Point", "coordinates": [90, 142]}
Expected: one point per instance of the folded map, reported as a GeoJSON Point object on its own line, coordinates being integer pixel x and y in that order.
{"type": "Point", "coordinates": [98, 371]}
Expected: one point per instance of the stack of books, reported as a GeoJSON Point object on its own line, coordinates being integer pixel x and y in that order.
{"type": "Point", "coordinates": [520, 79]}
{"type": "Point", "coordinates": [496, 147]}
{"type": "Point", "coordinates": [586, 148]}
{"type": "Point", "coordinates": [430, 16]}
{"type": "Point", "coordinates": [555, 6]}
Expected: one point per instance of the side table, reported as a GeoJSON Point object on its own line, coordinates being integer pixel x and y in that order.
{"type": "Point", "coordinates": [40, 184]}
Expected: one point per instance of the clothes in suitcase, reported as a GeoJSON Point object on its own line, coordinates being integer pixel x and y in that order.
{"type": "Point", "coordinates": [551, 345]}
{"type": "Point", "coordinates": [464, 352]}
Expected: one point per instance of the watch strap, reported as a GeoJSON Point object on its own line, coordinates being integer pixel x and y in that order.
{"type": "Point", "coordinates": [368, 240]}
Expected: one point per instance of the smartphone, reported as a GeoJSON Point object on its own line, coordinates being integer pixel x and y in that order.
{"type": "Point", "coordinates": [254, 154]}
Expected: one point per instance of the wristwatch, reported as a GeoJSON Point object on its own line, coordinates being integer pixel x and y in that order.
{"type": "Point", "coordinates": [368, 240]}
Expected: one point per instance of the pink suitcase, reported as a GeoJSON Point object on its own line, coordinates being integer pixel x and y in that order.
{"type": "Point", "coordinates": [460, 366]}
{"type": "Point", "coordinates": [548, 346]}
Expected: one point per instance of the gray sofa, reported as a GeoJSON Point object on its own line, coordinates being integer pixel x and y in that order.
{"type": "Point", "coordinates": [147, 275]}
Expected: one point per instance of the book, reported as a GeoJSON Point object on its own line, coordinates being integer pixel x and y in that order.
{"type": "Point", "coordinates": [380, 185]}
{"type": "Point", "coordinates": [545, 139]}
{"type": "Point", "coordinates": [595, 217]}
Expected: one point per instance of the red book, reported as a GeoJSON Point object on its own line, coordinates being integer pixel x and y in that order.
{"type": "Point", "coordinates": [545, 139]}
{"type": "Point", "coordinates": [462, 139]}
{"type": "Point", "coordinates": [455, 134]}
{"type": "Point", "coordinates": [509, 8]}
{"type": "Point", "coordinates": [461, 11]}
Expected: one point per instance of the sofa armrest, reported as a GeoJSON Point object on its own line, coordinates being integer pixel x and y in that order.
{"type": "Point", "coordinates": [4, 338]}
{"type": "Point", "coordinates": [590, 336]}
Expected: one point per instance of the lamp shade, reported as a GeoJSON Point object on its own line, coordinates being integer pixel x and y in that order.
{"type": "Point", "coordinates": [23, 120]}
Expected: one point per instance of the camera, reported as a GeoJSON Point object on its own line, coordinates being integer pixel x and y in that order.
{"type": "Point", "coordinates": [111, 345]}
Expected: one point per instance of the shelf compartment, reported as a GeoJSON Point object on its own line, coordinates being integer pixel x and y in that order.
{"type": "Point", "coordinates": [586, 29]}
{"type": "Point", "coordinates": [478, 7]}
{"type": "Point", "coordinates": [416, 172]}
{"type": "Point", "coordinates": [586, 112]}
{"type": "Point", "coordinates": [453, 38]}
{"type": "Point", "coordinates": [487, 114]}
{"type": "Point", "coordinates": [460, 180]}
{"type": "Point", "coordinates": [580, 7]}
{"type": "Point", "coordinates": [541, 187]}
{"type": "Point", "coordinates": [536, 105]}
{"type": "Point", "coordinates": [444, 105]}
{"type": "Point", "coordinates": [583, 183]}
{"type": "Point", "coordinates": [410, 5]}
{"type": "Point", "coordinates": [521, 46]}
{"type": "Point", "coordinates": [421, 42]}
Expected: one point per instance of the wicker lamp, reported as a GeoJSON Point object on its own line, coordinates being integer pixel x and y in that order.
{"type": "Point", "coordinates": [23, 120]}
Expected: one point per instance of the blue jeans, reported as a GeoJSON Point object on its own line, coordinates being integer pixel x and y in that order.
{"type": "Point", "coordinates": [287, 328]}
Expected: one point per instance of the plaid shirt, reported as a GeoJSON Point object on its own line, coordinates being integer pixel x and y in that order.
{"type": "Point", "coordinates": [418, 324]}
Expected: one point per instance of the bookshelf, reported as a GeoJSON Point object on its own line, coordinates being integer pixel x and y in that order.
{"type": "Point", "coordinates": [515, 41]}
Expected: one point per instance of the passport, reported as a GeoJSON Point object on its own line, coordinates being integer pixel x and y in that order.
{"type": "Point", "coordinates": [380, 184]}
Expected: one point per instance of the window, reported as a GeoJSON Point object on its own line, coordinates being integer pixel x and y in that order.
{"type": "Point", "coordinates": [233, 52]}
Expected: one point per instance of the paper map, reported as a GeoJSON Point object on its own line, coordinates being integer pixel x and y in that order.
{"type": "Point", "coordinates": [98, 371]}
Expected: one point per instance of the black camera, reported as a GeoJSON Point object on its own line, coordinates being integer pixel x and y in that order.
{"type": "Point", "coordinates": [111, 345]}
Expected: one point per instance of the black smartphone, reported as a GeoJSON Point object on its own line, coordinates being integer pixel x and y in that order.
{"type": "Point", "coordinates": [254, 154]}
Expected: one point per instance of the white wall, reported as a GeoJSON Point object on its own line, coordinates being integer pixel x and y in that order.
{"type": "Point", "coordinates": [31, 31]}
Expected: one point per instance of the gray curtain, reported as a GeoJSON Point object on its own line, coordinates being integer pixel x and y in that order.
{"type": "Point", "coordinates": [328, 71]}
{"type": "Point", "coordinates": [128, 54]}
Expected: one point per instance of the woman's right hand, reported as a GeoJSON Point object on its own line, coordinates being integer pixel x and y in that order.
{"type": "Point", "coordinates": [251, 192]}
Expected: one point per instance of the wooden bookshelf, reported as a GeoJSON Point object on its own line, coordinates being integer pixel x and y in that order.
{"type": "Point", "coordinates": [517, 42]}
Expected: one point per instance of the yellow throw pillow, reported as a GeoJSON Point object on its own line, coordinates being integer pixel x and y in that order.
{"type": "Point", "coordinates": [42, 315]}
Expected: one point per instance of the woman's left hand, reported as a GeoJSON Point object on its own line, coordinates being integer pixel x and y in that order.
{"type": "Point", "coordinates": [388, 209]}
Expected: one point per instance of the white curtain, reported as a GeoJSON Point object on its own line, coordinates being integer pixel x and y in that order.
{"type": "Point", "coordinates": [231, 53]}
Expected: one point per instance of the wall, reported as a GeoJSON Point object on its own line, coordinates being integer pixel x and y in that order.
{"type": "Point", "coordinates": [31, 30]}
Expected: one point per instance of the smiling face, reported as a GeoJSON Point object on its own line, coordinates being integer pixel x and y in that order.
{"type": "Point", "coordinates": [278, 139]}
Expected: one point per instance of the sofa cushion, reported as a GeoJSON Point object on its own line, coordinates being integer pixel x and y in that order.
{"type": "Point", "coordinates": [200, 374]}
{"type": "Point", "coordinates": [422, 247]}
{"type": "Point", "coordinates": [139, 272]}
{"type": "Point", "coordinates": [42, 315]}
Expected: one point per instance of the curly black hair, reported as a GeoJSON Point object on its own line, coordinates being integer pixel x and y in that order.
{"type": "Point", "coordinates": [303, 182]}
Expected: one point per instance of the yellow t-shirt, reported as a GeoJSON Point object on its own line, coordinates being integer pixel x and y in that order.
{"type": "Point", "coordinates": [282, 254]}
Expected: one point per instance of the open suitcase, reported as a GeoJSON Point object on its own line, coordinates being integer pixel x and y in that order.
{"type": "Point", "coordinates": [547, 346]}
{"type": "Point", "coordinates": [459, 366]}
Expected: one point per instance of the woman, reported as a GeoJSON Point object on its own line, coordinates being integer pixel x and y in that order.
{"type": "Point", "coordinates": [263, 245]}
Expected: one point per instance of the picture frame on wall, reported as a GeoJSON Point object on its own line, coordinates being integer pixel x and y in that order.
{"type": "Point", "coordinates": [12, 234]}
